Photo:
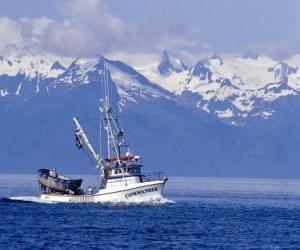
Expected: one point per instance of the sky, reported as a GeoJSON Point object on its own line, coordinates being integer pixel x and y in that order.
{"type": "Point", "coordinates": [91, 27]}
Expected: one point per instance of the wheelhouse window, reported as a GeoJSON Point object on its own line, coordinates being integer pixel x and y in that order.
{"type": "Point", "coordinates": [129, 170]}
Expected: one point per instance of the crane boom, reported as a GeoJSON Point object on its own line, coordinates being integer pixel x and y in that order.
{"type": "Point", "coordinates": [83, 138]}
{"type": "Point", "coordinates": [80, 134]}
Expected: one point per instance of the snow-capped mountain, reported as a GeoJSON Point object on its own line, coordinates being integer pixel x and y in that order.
{"type": "Point", "coordinates": [33, 65]}
{"type": "Point", "coordinates": [170, 63]}
{"type": "Point", "coordinates": [203, 119]}
{"type": "Point", "coordinates": [24, 75]}
{"type": "Point", "coordinates": [233, 88]}
{"type": "Point", "coordinates": [18, 75]}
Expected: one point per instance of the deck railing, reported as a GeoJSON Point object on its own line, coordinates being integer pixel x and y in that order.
{"type": "Point", "coordinates": [157, 176]}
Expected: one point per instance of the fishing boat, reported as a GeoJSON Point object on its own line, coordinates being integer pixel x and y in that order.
{"type": "Point", "coordinates": [120, 173]}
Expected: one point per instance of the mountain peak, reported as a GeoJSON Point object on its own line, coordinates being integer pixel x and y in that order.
{"type": "Point", "coordinates": [170, 63]}
{"type": "Point", "coordinates": [201, 71]}
{"type": "Point", "coordinates": [217, 56]}
{"type": "Point", "coordinates": [224, 82]}
{"type": "Point", "coordinates": [281, 72]}
{"type": "Point", "coordinates": [57, 66]}
{"type": "Point", "coordinates": [250, 55]}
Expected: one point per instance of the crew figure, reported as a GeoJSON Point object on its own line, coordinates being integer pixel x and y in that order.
{"type": "Point", "coordinates": [90, 190]}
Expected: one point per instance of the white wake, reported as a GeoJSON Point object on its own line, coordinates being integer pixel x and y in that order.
{"type": "Point", "coordinates": [34, 199]}
{"type": "Point", "coordinates": [140, 200]}
{"type": "Point", "coordinates": [146, 201]}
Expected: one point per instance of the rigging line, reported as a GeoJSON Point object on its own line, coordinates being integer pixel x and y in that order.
{"type": "Point", "coordinates": [106, 109]}
{"type": "Point", "coordinates": [100, 135]}
{"type": "Point", "coordinates": [119, 161]}
{"type": "Point", "coordinates": [108, 140]}
{"type": "Point", "coordinates": [112, 137]}
{"type": "Point", "coordinates": [105, 83]}
{"type": "Point", "coordinates": [105, 90]}
{"type": "Point", "coordinates": [108, 85]}
{"type": "Point", "coordinates": [100, 119]}
{"type": "Point", "coordinates": [115, 147]}
{"type": "Point", "coordinates": [126, 139]}
{"type": "Point", "coordinates": [118, 128]}
{"type": "Point", "coordinates": [115, 124]}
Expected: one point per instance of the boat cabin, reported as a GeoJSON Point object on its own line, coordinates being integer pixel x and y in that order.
{"type": "Point", "coordinates": [123, 175]}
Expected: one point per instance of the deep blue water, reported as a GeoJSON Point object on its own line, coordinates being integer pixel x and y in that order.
{"type": "Point", "coordinates": [206, 213]}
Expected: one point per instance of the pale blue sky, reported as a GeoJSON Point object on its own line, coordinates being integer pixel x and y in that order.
{"type": "Point", "coordinates": [267, 26]}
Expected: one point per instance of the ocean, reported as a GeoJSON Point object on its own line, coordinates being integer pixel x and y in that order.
{"type": "Point", "coordinates": [198, 213]}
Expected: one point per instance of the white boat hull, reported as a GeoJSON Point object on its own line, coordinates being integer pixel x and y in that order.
{"type": "Point", "coordinates": [138, 192]}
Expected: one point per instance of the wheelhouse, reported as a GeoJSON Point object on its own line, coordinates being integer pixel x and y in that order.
{"type": "Point", "coordinates": [124, 175]}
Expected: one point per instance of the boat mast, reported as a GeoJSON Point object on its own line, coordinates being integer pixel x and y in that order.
{"type": "Point", "coordinates": [113, 146]}
{"type": "Point", "coordinates": [114, 132]}
{"type": "Point", "coordinates": [107, 110]}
